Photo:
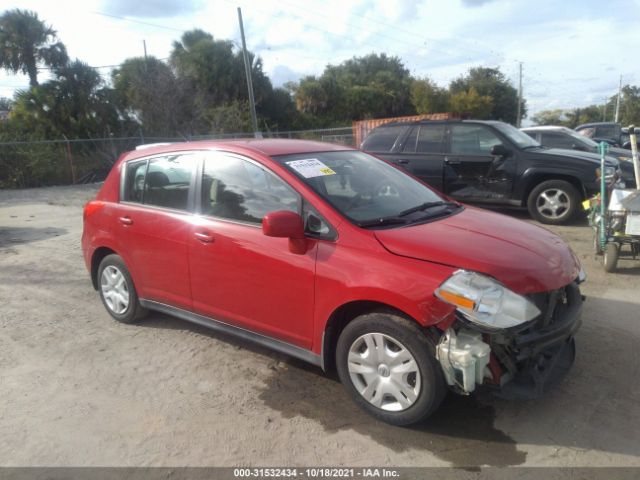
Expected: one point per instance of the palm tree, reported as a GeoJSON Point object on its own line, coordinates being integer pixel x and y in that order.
{"type": "Point", "coordinates": [26, 41]}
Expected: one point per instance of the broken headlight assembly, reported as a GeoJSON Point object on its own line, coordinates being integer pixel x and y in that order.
{"type": "Point", "coordinates": [485, 302]}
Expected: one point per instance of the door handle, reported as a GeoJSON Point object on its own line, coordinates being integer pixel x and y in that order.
{"type": "Point", "coordinates": [452, 161]}
{"type": "Point", "coordinates": [204, 237]}
{"type": "Point", "coordinates": [402, 161]}
{"type": "Point", "coordinates": [125, 220]}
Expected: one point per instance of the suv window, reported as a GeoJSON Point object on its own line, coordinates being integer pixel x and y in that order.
{"type": "Point", "coordinates": [425, 139]}
{"type": "Point", "coordinates": [607, 131]}
{"type": "Point", "coordinates": [237, 189]}
{"type": "Point", "coordinates": [473, 140]}
{"type": "Point", "coordinates": [161, 182]}
{"type": "Point", "coordinates": [382, 138]}
{"type": "Point", "coordinates": [557, 140]}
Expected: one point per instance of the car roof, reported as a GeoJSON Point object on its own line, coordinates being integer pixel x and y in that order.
{"type": "Point", "coordinates": [545, 127]}
{"type": "Point", "coordinates": [269, 147]}
{"type": "Point", "coordinates": [426, 121]}
{"type": "Point", "coordinates": [596, 124]}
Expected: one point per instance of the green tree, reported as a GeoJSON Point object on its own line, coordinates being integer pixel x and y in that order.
{"type": "Point", "coordinates": [5, 103]}
{"type": "Point", "coordinates": [372, 86]}
{"type": "Point", "coordinates": [211, 75]}
{"type": "Point", "coordinates": [26, 42]}
{"type": "Point", "coordinates": [557, 116]}
{"type": "Point", "coordinates": [491, 82]}
{"type": "Point", "coordinates": [74, 104]}
{"type": "Point", "coordinates": [471, 103]}
{"type": "Point", "coordinates": [427, 97]}
{"type": "Point", "coordinates": [148, 90]}
{"type": "Point", "coordinates": [630, 105]}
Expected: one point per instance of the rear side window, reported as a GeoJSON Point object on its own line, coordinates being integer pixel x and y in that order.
{"type": "Point", "coordinates": [161, 182]}
{"type": "Point", "coordinates": [382, 139]}
{"type": "Point", "coordinates": [240, 190]}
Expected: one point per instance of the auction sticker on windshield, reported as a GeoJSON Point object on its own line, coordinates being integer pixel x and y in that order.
{"type": "Point", "coordinates": [310, 167]}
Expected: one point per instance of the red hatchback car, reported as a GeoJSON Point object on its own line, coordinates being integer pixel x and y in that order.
{"type": "Point", "coordinates": [336, 257]}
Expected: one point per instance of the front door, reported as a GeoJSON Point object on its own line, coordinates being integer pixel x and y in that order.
{"type": "Point", "coordinates": [239, 275]}
{"type": "Point", "coordinates": [471, 173]}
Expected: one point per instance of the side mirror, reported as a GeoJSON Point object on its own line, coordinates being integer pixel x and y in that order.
{"type": "Point", "coordinates": [286, 224]}
{"type": "Point", "coordinates": [500, 151]}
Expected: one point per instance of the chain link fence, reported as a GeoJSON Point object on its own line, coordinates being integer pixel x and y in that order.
{"type": "Point", "coordinates": [25, 164]}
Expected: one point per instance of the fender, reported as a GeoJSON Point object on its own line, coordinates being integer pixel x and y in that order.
{"type": "Point", "coordinates": [528, 179]}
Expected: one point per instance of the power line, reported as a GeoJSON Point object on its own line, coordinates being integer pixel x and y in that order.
{"type": "Point", "coordinates": [138, 21]}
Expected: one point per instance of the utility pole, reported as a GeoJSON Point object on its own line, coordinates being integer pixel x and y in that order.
{"type": "Point", "coordinates": [247, 68]}
{"type": "Point", "coordinates": [144, 46]}
{"type": "Point", "coordinates": [604, 110]}
{"type": "Point", "coordinates": [618, 100]}
{"type": "Point", "coordinates": [519, 97]}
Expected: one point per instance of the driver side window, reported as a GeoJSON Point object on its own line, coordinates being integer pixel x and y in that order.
{"type": "Point", "coordinates": [473, 140]}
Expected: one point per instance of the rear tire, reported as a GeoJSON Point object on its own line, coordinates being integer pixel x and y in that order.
{"type": "Point", "coordinates": [554, 202]}
{"type": "Point", "coordinates": [388, 366]}
{"type": "Point", "coordinates": [610, 259]}
{"type": "Point", "coordinates": [117, 291]}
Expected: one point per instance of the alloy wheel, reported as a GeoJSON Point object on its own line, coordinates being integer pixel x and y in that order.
{"type": "Point", "coordinates": [553, 203]}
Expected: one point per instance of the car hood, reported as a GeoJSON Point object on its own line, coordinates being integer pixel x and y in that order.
{"type": "Point", "coordinates": [619, 152]}
{"type": "Point", "coordinates": [524, 257]}
{"type": "Point", "coordinates": [588, 156]}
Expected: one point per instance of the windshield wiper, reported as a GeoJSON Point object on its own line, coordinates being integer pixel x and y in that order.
{"type": "Point", "coordinates": [382, 222]}
{"type": "Point", "coordinates": [425, 206]}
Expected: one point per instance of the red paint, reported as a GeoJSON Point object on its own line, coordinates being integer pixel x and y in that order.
{"type": "Point", "coordinates": [234, 272]}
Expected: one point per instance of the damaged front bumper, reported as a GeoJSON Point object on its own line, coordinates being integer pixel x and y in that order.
{"type": "Point", "coordinates": [521, 362]}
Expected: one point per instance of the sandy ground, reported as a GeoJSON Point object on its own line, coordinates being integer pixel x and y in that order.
{"type": "Point", "coordinates": [77, 388]}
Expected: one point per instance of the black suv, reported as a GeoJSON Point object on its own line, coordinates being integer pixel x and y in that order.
{"type": "Point", "coordinates": [492, 162]}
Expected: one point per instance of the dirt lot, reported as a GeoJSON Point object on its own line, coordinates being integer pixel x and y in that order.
{"type": "Point", "coordinates": [77, 388]}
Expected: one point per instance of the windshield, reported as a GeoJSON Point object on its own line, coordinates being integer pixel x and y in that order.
{"type": "Point", "coordinates": [521, 139]}
{"type": "Point", "coordinates": [366, 190]}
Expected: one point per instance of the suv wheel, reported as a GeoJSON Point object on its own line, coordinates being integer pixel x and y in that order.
{"type": "Point", "coordinates": [554, 202]}
{"type": "Point", "coordinates": [117, 291]}
{"type": "Point", "coordinates": [388, 366]}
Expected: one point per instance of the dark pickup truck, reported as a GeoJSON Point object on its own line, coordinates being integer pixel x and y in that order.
{"type": "Point", "coordinates": [494, 163]}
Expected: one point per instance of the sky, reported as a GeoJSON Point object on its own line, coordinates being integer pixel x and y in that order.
{"type": "Point", "coordinates": [573, 53]}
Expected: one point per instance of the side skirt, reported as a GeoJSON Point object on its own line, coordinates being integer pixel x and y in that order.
{"type": "Point", "coordinates": [217, 325]}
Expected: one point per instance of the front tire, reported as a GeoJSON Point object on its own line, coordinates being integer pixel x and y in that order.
{"type": "Point", "coordinates": [117, 291]}
{"type": "Point", "coordinates": [553, 202]}
{"type": "Point", "coordinates": [388, 366]}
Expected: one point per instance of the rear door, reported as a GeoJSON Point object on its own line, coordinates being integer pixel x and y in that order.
{"type": "Point", "coordinates": [238, 274]}
{"type": "Point", "coordinates": [470, 171]}
{"type": "Point", "coordinates": [154, 222]}
{"type": "Point", "coordinates": [421, 153]}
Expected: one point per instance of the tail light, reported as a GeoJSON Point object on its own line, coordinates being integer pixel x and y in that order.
{"type": "Point", "coordinates": [90, 208]}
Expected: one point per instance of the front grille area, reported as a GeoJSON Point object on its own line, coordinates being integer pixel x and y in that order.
{"type": "Point", "coordinates": [552, 305]}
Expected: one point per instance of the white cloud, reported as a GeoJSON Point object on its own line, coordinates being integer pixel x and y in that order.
{"type": "Point", "coordinates": [573, 52]}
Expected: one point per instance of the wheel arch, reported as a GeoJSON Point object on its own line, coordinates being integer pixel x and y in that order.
{"type": "Point", "coordinates": [344, 314]}
{"type": "Point", "coordinates": [96, 258]}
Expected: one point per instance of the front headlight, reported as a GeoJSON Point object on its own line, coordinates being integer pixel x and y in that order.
{"type": "Point", "coordinates": [484, 301]}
